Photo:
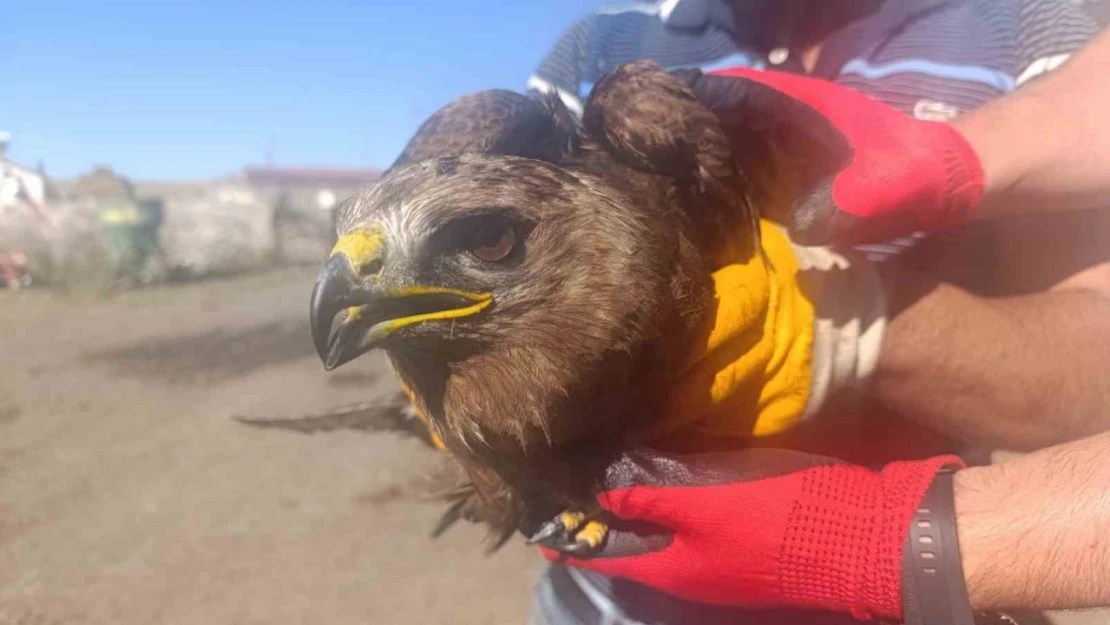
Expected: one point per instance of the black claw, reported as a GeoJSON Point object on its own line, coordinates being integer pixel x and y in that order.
{"type": "Point", "coordinates": [557, 543]}
{"type": "Point", "coordinates": [577, 548]}
{"type": "Point", "coordinates": [549, 530]}
{"type": "Point", "coordinates": [556, 536]}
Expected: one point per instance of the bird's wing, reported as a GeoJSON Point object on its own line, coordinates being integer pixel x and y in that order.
{"type": "Point", "coordinates": [393, 414]}
{"type": "Point", "coordinates": [495, 122]}
{"type": "Point", "coordinates": [652, 121]}
{"type": "Point", "coordinates": [785, 149]}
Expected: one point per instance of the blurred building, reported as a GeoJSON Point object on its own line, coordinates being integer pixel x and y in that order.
{"type": "Point", "coordinates": [304, 200]}
{"type": "Point", "coordinates": [252, 219]}
{"type": "Point", "coordinates": [19, 185]}
{"type": "Point", "coordinates": [103, 185]}
{"type": "Point", "coordinates": [315, 188]}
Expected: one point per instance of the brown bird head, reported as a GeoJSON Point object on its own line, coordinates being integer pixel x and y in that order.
{"type": "Point", "coordinates": [533, 281]}
{"type": "Point", "coordinates": [507, 291]}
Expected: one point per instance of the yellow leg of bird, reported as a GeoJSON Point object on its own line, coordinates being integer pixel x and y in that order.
{"type": "Point", "coordinates": [571, 520]}
{"type": "Point", "coordinates": [572, 532]}
{"type": "Point", "coordinates": [593, 534]}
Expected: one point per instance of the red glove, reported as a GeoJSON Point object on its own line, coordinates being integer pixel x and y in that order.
{"type": "Point", "coordinates": [893, 175]}
{"type": "Point", "coordinates": [762, 528]}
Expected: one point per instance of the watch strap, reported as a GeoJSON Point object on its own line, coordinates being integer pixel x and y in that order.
{"type": "Point", "coordinates": [933, 588]}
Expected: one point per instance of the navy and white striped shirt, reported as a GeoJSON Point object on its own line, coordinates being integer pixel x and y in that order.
{"type": "Point", "coordinates": [957, 52]}
{"type": "Point", "coordinates": [932, 59]}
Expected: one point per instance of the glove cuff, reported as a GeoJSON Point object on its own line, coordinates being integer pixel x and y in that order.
{"type": "Point", "coordinates": [842, 549]}
{"type": "Point", "coordinates": [965, 179]}
{"type": "Point", "coordinates": [849, 307]}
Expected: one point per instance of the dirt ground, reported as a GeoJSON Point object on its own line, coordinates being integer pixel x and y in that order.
{"type": "Point", "coordinates": [128, 494]}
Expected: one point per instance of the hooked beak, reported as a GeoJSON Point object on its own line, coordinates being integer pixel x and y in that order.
{"type": "Point", "coordinates": [354, 307]}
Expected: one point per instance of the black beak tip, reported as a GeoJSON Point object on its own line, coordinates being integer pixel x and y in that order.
{"type": "Point", "coordinates": [332, 361]}
{"type": "Point", "coordinates": [331, 294]}
{"type": "Point", "coordinates": [319, 323]}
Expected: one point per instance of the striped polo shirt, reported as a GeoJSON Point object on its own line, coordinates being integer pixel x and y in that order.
{"type": "Point", "coordinates": [932, 59]}
{"type": "Point", "coordinates": [956, 54]}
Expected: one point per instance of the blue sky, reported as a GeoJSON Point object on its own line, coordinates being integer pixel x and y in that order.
{"type": "Point", "coordinates": [176, 90]}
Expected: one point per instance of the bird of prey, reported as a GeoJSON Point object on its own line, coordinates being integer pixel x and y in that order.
{"type": "Point", "coordinates": [537, 282]}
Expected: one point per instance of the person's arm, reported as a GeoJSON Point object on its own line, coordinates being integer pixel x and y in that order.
{"type": "Point", "coordinates": [1021, 372]}
{"type": "Point", "coordinates": [1046, 147]}
{"type": "Point", "coordinates": [1033, 531]}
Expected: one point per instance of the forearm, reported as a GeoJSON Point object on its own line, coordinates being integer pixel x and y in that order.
{"type": "Point", "coordinates": [1047, 146]}
{"type": "Point", "coordinates": [1020, 373]}
{"type": "Point", "coordinates": [1033, 530]}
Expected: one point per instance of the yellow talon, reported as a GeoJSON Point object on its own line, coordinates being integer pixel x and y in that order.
{"type": "Point", "coordinates": [571, 520]}
{"type": "Point", "coordinates": [593, 533]}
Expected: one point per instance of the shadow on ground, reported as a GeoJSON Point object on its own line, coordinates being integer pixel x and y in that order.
{"type": "Point", "coordinates": [214, 355]}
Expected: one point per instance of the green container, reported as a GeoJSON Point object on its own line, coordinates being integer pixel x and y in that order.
{"type": "Point", "coordinates": [130, 234]}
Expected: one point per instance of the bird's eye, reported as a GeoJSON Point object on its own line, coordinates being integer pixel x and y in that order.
{"type": "Point", "coordinates": [494, 241]}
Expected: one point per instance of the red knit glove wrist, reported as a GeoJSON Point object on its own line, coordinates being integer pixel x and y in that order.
{"type": "Point", "coordinates": [842, 549]}
{"type": "Point", "coordinates": [764, 529]}
{"type": "Point", "coordinates": [891, 174]}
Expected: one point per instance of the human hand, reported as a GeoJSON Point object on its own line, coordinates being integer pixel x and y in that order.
{"type": "Point", "coordinates": [762, 528]}
{"type": "Point", "coordinates": [891, 174]}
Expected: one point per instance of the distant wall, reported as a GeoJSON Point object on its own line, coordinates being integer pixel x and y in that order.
{"type": "Point", "coordinates": [225, 230]}
{"type": "Point", "coordinates": [215, 228]}
{"type": "Point", "coordinates": [303, 226]}
{"type": "Point", "coordinates": [220, 231]}
{"type": "Point", "coordinates": [69, 246]}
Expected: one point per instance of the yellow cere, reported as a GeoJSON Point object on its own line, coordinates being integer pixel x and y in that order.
{"type": "Point", "coordinates": [360, 247]}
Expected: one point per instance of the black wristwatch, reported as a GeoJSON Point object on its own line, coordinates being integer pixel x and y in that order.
{"type": "Point", "coordinates": [933, 587]}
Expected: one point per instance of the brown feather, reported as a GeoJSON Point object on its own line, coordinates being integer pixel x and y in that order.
{"type": "Point", "coordinates": [495, 122]}
{"type": "Point", "coordinates": [653, 122]}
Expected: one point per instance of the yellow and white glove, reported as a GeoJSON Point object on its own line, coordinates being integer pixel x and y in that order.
{"type": "Point", "coordinates": [786, 334]}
